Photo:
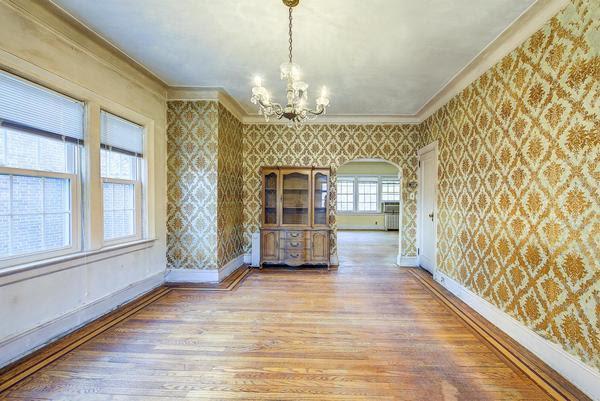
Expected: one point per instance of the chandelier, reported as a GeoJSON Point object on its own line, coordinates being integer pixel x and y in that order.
{"type": "Point", "coordinates": [296, 110]}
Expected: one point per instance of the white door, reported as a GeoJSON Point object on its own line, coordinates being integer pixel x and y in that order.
{"type": "Point", "coordinates": [427, 217]}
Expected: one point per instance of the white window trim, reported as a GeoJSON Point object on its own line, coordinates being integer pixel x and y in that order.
{"type": "Point", "coordinates": [361, 177]}
{"type": "Point", "coordinates": [75, 187]}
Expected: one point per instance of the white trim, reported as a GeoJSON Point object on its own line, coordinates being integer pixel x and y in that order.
{"type": "Point", "coordinates": [407, 261]}
{"type": "Point", "coordinates": [581, 375]}
{"type": "Point", "coordinates": [360, 119]}
{"type": "Point", "coordinates": [373, 227]}
{"type": "Point", "coordinates": [192, 276]}
{"type": "Point", "coordinates": [28, 271]}
{"type": "Point", "coordinates": [230, 267]}
{"type": "Point", "coordinates": [433, 146]}
{"type": "Point", "coordinates": [22, 344]}
{"type": "Point", "coordinates": [248, 258]}
{"type": "Point", "coordinates": [203, 275]}
{"type": "Point", "coordinates": [333, 260]}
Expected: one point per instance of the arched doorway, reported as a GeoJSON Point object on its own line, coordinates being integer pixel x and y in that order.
{"type": "Point", "coordinates": [368, 211]}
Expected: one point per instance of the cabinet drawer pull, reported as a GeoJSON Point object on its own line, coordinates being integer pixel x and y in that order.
{"type": "Point", "coordinates": [294, 244]}
{"type": "Point", "coordinates": [294, 235]}
{"type": "Point", "coordinates": [294, 255]}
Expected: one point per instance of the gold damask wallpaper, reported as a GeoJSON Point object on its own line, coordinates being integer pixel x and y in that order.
{"type": "Point", "coordinates": [230, 213]}
{"type": "Point", "coordinates": [328, 145]}
{"type": "Point", "coordinates": [204, 188]}
{"type": "Point", "coordinates": [192, 142]}
{"type": "Point", "coordinates": [519, 171]}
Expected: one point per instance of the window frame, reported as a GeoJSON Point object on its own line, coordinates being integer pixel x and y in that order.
{"type": "Point", "coordinates": [76, 229]}
{"type": "Point", "coordinates": [356, 178]}
{"type": "Point", "coordinates": [138, 204]}
{"type": "Point", "coordinates": [338, 181]}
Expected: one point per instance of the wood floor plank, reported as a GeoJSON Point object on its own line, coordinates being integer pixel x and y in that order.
{"type": "Point", "coordinates": [365, 331]}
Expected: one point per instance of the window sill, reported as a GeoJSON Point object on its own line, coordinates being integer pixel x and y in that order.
{"type": "Point", "coordinates": [46, 266]}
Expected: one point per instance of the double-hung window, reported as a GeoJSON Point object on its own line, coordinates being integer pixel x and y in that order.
{"type": "Point", "coordinates": [121, 161]}
{"type": "Point", "coordinates": [41, 134]}
{"type": "Point", "coordinates": [390, 190]}
{"type": "Point", "coordinates": [367, 194]}
{"type": "Point", "coordinates": [345, 194]}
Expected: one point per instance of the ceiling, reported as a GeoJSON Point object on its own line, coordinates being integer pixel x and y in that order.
{"type": "Point", "coordinates": [377, 57]}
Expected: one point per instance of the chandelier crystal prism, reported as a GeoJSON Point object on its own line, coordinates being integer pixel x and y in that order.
{"type": "Point", "coordinates": [296, 110]}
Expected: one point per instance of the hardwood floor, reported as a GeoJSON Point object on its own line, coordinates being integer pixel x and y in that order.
{"type": "Point", "coordinates": [366, 331]}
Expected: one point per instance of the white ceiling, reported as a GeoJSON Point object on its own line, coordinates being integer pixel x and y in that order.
{"type": "Point", "coordinates": [377, 57]}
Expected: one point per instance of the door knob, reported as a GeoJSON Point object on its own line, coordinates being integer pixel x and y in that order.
{"type": "Point", "coordinates": [431, 216]}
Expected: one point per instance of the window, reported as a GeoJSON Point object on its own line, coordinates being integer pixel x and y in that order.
{"type": "Point", "coordinates": [367, 194]}
{"type": "Point", "coordinates": [364, 194]}
{"type": "Point", "coordinates": [345, 194]}
{"type": "Point", "coordinates": [121, 167]}
{"type": "Point", "coordinates": [41, 133]}
{"type": "Point", "coordinates": [390, 190]}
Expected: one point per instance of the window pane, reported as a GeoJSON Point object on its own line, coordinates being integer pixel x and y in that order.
{"type": "Point", "coordinates": [34, 152]}
{"type": "Point", "coordinates": [27, 194]}
{"type": "Point", "coordinates": [56, 230]}
{"type": "Point", "coordinates": [119, 210]}
{"type": "Point", "coordinates": [2, 143]}
{"type": "Point", "coordinates": [390, 190]}
{"type": "Point", "coordinates": [4, 195]}
{"type": "Point", "coordinates": [26, 233]}
{"type": "Point", "coordinates": [56, 195]}
{"type": "Point", "coordinates": [4, 236]}
{"type": "Point", "coordinates": [118, 165]}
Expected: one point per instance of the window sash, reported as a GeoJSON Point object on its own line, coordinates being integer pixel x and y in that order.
{"type": "Point", "coordinates": [75, 226]}
{"type": "Point", "coordinates": [137, 203]}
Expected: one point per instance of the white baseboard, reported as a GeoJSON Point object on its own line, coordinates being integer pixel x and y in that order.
{"type": "Point", "coordinates": [586, 378]}
{"type": "Point", "coordinates": [203, 275]}
{"type": "Point", "coordinates": [20, 345]}
{"type": "Point", "coordinates": [192, 276]}
{"type": "Point", "coordinates": [407, 261]}
{"type": "Point", "coordinates": [374, 227]}
{"type": "Point", "coordinates": [230, 267]}
{"type": "Point", "coordinates": [333, 260]}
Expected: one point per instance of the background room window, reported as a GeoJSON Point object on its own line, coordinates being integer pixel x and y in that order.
{"type": "Point", "coordinates": [345, 194]}
{"type": "Point", "coordinates": [41, 133]}
{"type": "Point", "coordinates": [390, 190]}
{"type": "Point", "coordinates": [367, 194]}
{"type": "Point", "coordinates": [121, 167]}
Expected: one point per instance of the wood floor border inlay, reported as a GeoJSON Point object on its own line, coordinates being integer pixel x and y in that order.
{"type": "Point", "coordinates": [543, 376]}
{"type": "Point", "coordinates": [14, 373]}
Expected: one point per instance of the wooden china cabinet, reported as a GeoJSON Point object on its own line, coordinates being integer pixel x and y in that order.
{"type": "Point", "coordinates": [295, 216]}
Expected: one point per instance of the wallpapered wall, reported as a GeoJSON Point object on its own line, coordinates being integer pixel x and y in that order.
{"type": "Point", "coordinates": [328, 145]}
{"type": "Point", "coordinates": [519, 166]}
{"type": "Point", "coordinates": [204, 151]}
{"type": "Point", "coordinates": [230, 212]}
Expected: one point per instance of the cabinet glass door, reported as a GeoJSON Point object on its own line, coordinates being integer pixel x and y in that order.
{"type": "Point", "coordinates": [270, 198]}
{"type": "Point", "coordinates": [296, 198]}
{"type": "Point", "coordinates": [321, 198]}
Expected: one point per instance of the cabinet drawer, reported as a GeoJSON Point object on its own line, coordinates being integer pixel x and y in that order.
{"type": "Point", "coordinates": [297, 256]}
{"type": "Point", "coordinates": [294, 244]}
{"type": "Point", "coordinates": [295, 235]}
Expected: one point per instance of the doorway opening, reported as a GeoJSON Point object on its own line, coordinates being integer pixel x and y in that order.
{"type": "Point", "coordinates": [368, 213]}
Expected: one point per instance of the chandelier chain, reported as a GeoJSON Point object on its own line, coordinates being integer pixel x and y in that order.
{"type": "Point", "coordinates": [290, 34]}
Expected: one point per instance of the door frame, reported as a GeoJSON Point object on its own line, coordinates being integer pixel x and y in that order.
{"type": "Point", "coordinates": [426, 149]}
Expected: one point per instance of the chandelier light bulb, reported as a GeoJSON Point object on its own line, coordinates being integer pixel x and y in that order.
{"type": "Point", "coordinates": [324, 92]}
{"type": "Point", "coordinates": [258, 81]}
